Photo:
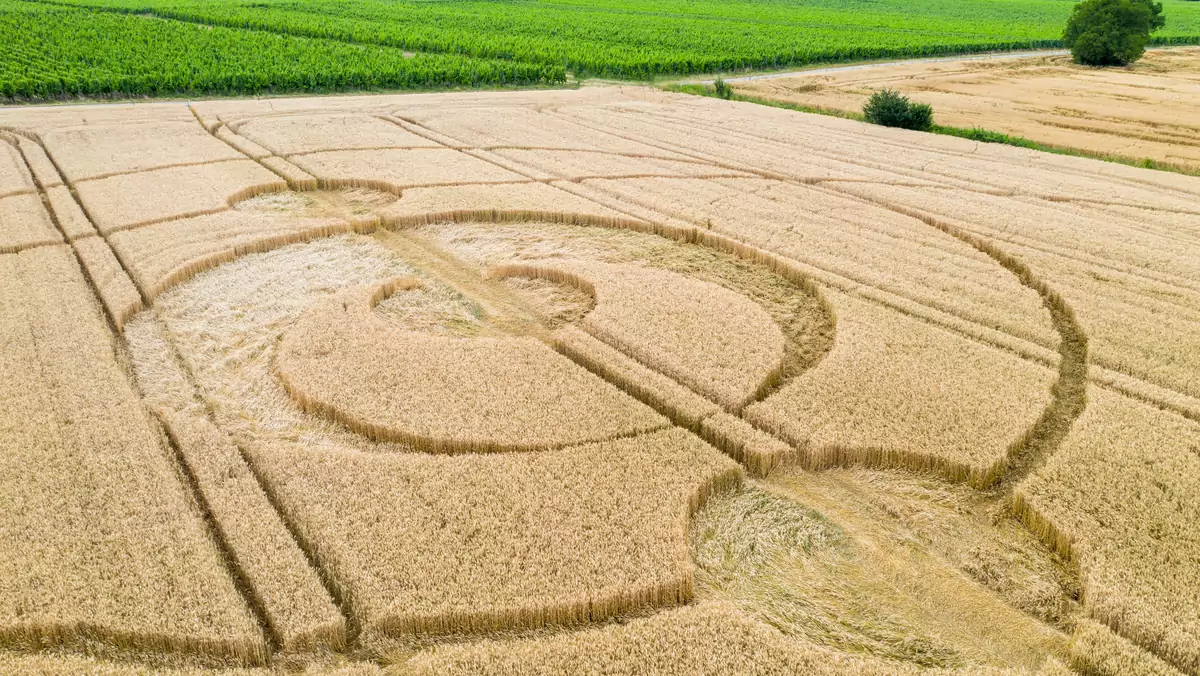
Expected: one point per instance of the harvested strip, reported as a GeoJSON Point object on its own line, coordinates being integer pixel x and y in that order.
{"type": "Point", "coordinates": [117, 292]}
{"type": "Point", "coordinates": [1120, 496]}
{"type": "Point", "coordinates": [24, 223]}
{"type": "Point", "coordinates": [243, 145]}
{"type": "Point", "coordinates": [472, 543]}
{"type": "Point", "coordinates": [128, 560]}
{"type": "Point", "coordinates": [297, 178]}
{"type": "Point", "coordinates": [897, 392]}
{"type": "Point", "coordinates": [1095, 649]}
{"type": "Point", "coordinates": [297, 608]}
{"type": "Point", "coordinates": [71, 219]}
{"type": "Point", "coordinates": [446, 394]}
{"type": "Point", "coordinates": [167, 253]}
{"type": "Point", "coordinates": [130, 200]}
{"type": "Point", "coordinates": [681, 405]}
{"type": "Point", "coordinates": [288, 135]}
{"type": "Point", "coordinates": [104, 150]}
{"type": "Point", "coordinates": [757, 450]}
{"type": "Point", "coordinates": [710, 639]}
{"type": "Point", "coordinates": [397, 169]}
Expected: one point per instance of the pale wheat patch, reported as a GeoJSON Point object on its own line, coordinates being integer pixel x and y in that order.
{"type": "Point", "coordinates": [128, 560]}
{"type": "Point", "coordinates": [130, 200]}
{"type": "Point", "coordinates": [106, 149]}
{"type": "Point", "coordinates": [24, 223]}
{"type": "Point", "coordinates": [897, 392]}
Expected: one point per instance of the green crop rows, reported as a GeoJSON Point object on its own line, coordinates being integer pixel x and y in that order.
{"type": "Point", "coordinates": [498, 42]}
{"type": "Point", "coordinates": [52, 52]}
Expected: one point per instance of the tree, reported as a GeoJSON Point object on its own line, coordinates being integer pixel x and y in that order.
{"type": "Point", "coordinates": [892, 109]}
{"type": "Point", "coordinates": [1111, 32]}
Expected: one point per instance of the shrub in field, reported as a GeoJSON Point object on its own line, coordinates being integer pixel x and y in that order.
{"type": "Point", "coordinates": [1111, 32]}
{"type": "Point", "coordinates": [892, 109]}
{"type": "Point", "coordinates": [722, 89]}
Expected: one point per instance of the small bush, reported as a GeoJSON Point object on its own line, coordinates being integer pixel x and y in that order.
{"type": "Point", "coordinates": [722, 89]}
{"type": "Point", "coordinates": [1111, 32]}
{"type": "Point", "coordinates": [892, 109]}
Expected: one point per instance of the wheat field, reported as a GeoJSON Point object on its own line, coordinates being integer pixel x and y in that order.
{"type": "Point", "coordinates": [595, 381]}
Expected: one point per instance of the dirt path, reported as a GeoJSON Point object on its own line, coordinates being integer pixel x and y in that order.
{"type": "Point", "coordinates": [822, 70]}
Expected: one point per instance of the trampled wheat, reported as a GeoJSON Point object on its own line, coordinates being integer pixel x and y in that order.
{"type": "Point", "coordinates": [1095, 649]}
{"type": "Point", "coordinates": [708, 639]}
{"type": "Point", "coordinates": [1120, 497]}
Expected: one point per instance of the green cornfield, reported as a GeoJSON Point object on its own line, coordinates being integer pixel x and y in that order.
{"type": "Point", "coordinates": [50, 52]}
{"type": "Point", "coordinates": [70, 47]}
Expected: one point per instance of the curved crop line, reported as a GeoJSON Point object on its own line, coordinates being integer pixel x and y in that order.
{"type": "Point", "coordinates": [362, 306]}
{"type": "Point", "coordinates": [1069, 392]}
{"type": "Point", "coordinates": [587, 610]}
{"type": "Point", "coordinates": [547, 273]}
